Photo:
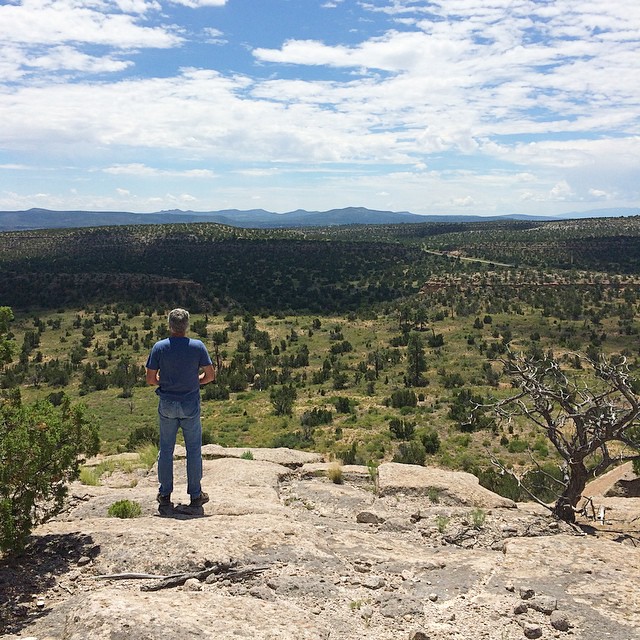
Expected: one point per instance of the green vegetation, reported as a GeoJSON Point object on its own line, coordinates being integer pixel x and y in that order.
{"type": "Point", "coordinates": [365, 343]}
{"type": "Point", "coordinates": [124, 509]}
{"type": "Point", "coordinates": [478, 516]}
{"type": "Point", "coordinates": [442, 522]}
{"type": "Point", "coordinates": [40, 449]}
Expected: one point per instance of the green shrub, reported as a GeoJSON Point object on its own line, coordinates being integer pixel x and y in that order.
{"type": "Point", "coordinates": [343, 404]}
{"type": "Point", "coordinates": [403, 398]}
{"type": "Point", "coordinates": [295, 440]}
{"type": "Point", "coordinates": [402, 429]}
{"type": "Point", "coordinates": [411, 452]}
{"type": "Point", "coordinates": [467, 412]}
{"type": "Point", "coordinates": [283, 399]}
{"type": "Point", "coordinates": [41, 449]}
{"type": "Point", "coordinates": [316, 417]}
{"type": "Point", "coordinates": [430, 442]}
{"type": "Point", "coordinates": [124, 509]}
{"type": "Point", "coordinates": [142, 435]}
{"type": "Point", "coordinates": [216, 391]}
{"type": "Point", "coordinates": [517, 446]}
{"type": "Point", "coordinates": [441, 523]}
{"type": "Point", "coordinates": [247, 455]}
{"type": "Point", "coordinates": [208, 437]}
{"type": "Point", "coordinates": [478, 517]}
{"type": "Point", "coordinates": [433, 493]}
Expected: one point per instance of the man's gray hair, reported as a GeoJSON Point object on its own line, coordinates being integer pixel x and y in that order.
{"type": "Point", "coordinates": [178, 320]}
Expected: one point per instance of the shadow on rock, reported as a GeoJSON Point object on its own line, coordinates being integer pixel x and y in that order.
{"type": "Point", "coordinates": [181, 511]}
{"type": "Point", "coordinates": [34, 571]}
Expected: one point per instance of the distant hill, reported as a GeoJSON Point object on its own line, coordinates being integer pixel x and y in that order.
{"type": "Point", "coordinates": [256, 218]}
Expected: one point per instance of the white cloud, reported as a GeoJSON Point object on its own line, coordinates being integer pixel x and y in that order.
{"type": "Point", "coordinates": [539, 102]}
{"type": "Point", "coordinates": [561, 191]}
{"type": "Point", "coordinates": [53, 22]}
{"type": "Point", "coordinates": [466, 201]}
{"type": "Point", "coordinates": [195, 4]}
{"type": "Point", "coordinates": [70, 59]}
{"type": "Point", "coordinates": [214, 36]}
{"type": "Point", "coordinates": [141, 170]}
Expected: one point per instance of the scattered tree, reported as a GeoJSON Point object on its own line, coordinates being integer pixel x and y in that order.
{"type": "Point", "coordinates": [41, 449]}
{"type": "Point", "coordinates": [582, 417]}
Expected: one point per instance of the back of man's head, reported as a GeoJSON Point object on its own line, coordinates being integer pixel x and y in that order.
{"type": "Point", "coordinates": [178, 321]}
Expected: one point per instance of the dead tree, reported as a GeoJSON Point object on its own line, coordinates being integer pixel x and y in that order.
{"type": "Point", "coordinates": [591, 419]}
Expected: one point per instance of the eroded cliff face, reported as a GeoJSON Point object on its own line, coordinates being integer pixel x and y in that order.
{"type": "Point", "coordinates": [283, 552]}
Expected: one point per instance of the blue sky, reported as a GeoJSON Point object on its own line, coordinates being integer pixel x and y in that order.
{"type": "Point", "coordinates": [443, 107]}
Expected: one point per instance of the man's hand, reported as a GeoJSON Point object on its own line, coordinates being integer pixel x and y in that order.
{"type": "Point", "coordinates": [153, 377]}
{"type": "Point", "coordinates": [208, 374]}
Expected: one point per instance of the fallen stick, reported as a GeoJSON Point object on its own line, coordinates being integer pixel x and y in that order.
{"type": "Point", "coordinates": [227, 574]}
{"type": "Point", "coordinates": [131, 576]}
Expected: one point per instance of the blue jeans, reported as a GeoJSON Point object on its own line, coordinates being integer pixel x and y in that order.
{"type": "Point", "coordinates": [174, 415]}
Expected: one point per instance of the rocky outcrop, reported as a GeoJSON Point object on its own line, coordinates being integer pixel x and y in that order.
{"type": "Point", "coordinates": [441, 485]}
{"type": "Point", "coordinates": [282, 552]}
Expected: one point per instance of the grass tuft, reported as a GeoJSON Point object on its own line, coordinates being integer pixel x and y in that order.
{"type": "Point", "coordinates": [334, 473]}
{"type": "Point", "coordinates": [125, 509]}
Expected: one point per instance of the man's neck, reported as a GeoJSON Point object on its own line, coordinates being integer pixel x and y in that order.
{"type": "Point", "coordinates": [177, 335]}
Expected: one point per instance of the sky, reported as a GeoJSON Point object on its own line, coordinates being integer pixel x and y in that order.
{"type": "Point", "coordinates": [434, 107]}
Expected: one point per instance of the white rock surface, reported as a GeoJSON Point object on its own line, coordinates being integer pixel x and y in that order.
{"type": "Point", "coordinates": [417, 570]}
{"type": "Point", "coordinates": [451, 487]}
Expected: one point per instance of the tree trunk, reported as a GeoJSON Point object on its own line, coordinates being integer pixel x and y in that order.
{"type": "Point", "coordinates": [564, 507]}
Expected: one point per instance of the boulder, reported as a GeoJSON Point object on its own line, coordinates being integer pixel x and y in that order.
{"type": "Point", "coordinates": [449, 487]}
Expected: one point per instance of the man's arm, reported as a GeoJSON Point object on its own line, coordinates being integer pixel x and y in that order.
{"type": "Point", "coordinates": [208, 374]}
{"type": "Point", "coordinates": [153, 377]}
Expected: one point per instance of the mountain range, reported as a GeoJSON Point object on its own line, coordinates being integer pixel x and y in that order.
{"type": "Point", "coordinates": [259, 218]}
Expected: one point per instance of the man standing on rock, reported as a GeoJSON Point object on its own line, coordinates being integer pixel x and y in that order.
{"type": "Point", "coordinates": [178, 366]}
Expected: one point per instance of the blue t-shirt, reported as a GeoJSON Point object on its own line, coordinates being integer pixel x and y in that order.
{"type": "Point", "coordinates": [179, 360]}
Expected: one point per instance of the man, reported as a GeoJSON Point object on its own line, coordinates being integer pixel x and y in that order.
{"type": "Point", "coordinates": [178, 366]}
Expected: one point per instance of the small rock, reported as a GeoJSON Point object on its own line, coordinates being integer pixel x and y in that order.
{"type": "Point", "coordinates": [532, 630]}
{"type": "Point", "coordinates": [373, 582]}
{"type": "Point", "coordinates": [397, 525]}
{"type": "Point", "coordinates": [520, 608]}
{"type": "Point", "coordinates": [419, 635]}
{"type": "Point", "coordinates": [367, 517]}
{"type": "Point", "coordinates": [527, 593]}
{"type": "Point", "coordinates": [433, 597]}
{"type": "Point", "coordinates": [544, 604]}
{"type": "Point", "coordinates": [40, 603]}
{"type": "Point", "coordinates": [559, 621]}
{"type": "Point", "coordinates": [366, 612]}
{"type": "Point", "coordinates": [263, 593]}
{"type": "Point", "coordinates": [362, 568]}
{"type": "Point", "coordinates": [193, 584]}
{"type": "Point", "coordinates": [84, 560]}
{"type": "Point", "coordinates": [509, 587]}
